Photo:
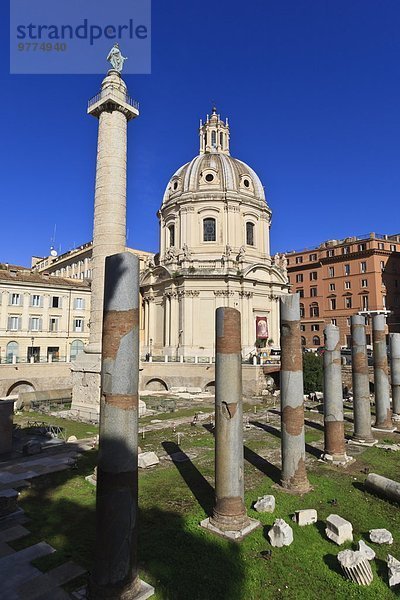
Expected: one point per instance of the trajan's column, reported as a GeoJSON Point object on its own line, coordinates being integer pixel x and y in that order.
{"type": "Point", "coordinates": [113, 107]}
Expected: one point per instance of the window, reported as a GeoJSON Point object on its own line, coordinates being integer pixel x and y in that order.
{"type": "Point", "coordinates": [76, 348]}
{"type": "Point", "coordinates": [171, 230]}
{"type": "Point", "coordinates": [313, 257]}
{"type": "Point", "coordinates": [313, 276]}
{"type": "Point", "coordinates": [78, 325]}
{"type": "Point", "coordinates": [361, 247]}
{"type": "Point", "coordinates": [303, 340]}
{"type": "Point", "coordinates": [299, 278]}
{"type": "Point", "coordinates": [302, 327]}
{"type": "Point", "coordinates": [330, 253]}
{"type": "Point", "coordinates": [300, 291]}
{"type": "Point", "coordinates": [299, 259]}
{"type": "Point", "coordinates": [213, 138]}
{"type": "Point", "coordinates": [345, 250]}
{"type": "Point", "coordinates": [334, 322]}
{"type": "Point", "coordinates": [250, 234]}
{"type": "Point", "coordinates": [209, 230]}
{"type": "Point", "coordinates": [314, 310]}
{"type": "Point", "coordinates": [56, 301]}
{"type": "Point", "coordinates": [332, 287]}
{"type": "Point", "coordinates": [53, 353]}
{"type": "Point", "coordinates": [348, 322]}
{"type": "Point", "coordinates": [35, 324]}
{"type": "Point", "coordinates": [382, 265]}
{"type": "Point", "coordinates": [313, 292]}
{"type": "Point", "coordinates": [347, 269]}
{"type": "Point", "coordinates": [246, 183]}
{"type": "Point", "coordinates": [302, 313]}
{"type": "Point", "coordinates": [348, 341]}
{"type": "Point", "coordinates": [79, 304]}
{"type": "Point", "coordinates": [14, 323]}
{"type": "Point", "coordinates": [364, 302]}
{"type": "Point", "coordinates": [221, 139]}
{"type": "Point", "coordinates": [315, 327]}
{"type": "Point", "coordinates": [348, 302]}
{"type": "Point", "coordinates": [332, 303]}
{"type": "Point", "coordinates": [392, 248]}
{"type": "Point", "coordinates": [33, 354]}
{"type": "Point", "coordinates": [53, 324]}
{"type": "Point", "coordinates": [15, 299]}
{"type": "Point", "coordinates": [36, 300]}
{"type": "Point", "coordinates": [381, 246]}
{"type": "Point", "coordinates": [316, 341]}
{"type": "Point", "coordinates": [363, 267]}
{"type": "Point", "coordinates": [347, 285]}
{"type": "Point", "coordinates": [384, 301]}
{"type": "Point", "coordinates": [12, 351]}
{"type": "Point", "coordinates": [331, 272]}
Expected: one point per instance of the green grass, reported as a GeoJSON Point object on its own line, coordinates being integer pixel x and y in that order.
{"type": "Point", "coordinates": [80, 430]}
{"type": "Point", "coordinates": [184, 562]}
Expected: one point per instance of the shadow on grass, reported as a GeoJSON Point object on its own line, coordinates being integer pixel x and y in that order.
{"type": "Point", "coordinates": [314, 425]}
{"type": "Point", "coordinates": [273, 431]}
{"type": "Point", "coordinates": [332, 562]}
{"type": "Point", "coordinates": [182, 561]}
{"type": "Point", "coordinates": [262, 465]}
{"type": "Point", "coordinates": [199, 486]}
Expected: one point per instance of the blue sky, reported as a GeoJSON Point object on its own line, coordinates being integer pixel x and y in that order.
{"type": "Point", "coordinates": [311, 88]}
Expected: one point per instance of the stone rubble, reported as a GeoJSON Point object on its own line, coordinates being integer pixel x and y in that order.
{"type": "Point", "coordinates": [380, 536]}
{"type": "Point", "coordinates": [356, 567]}
{"type": "Point", "coordinates": [393, 566]}
{"type": "Point", "coordinates": [366, 550]}
{"type": "Point", "coordinates": [280, 534]}
{"type": "Point", "coordinates": [147, 459]}
{"type": "Point", "coordinates": [338, 529]}
{"type": "Point", "coordinates": [265, 504]}
{"type": "Point", "coordinates": [307, 516]}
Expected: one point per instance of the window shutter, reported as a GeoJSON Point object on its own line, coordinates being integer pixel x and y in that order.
{"type": "Point", "coordinates": [19, 323]}
{"type": "Point", "coordinates": [40, 324]}
{"type": "Point", "coordinates": [9, 323]}
{"type": "Point", "coordinates": [83, 303]}
{"type": "Point", "coordinates": [41, 301]}
{"type": "Point", "coordinates": [75, 303]}
{"type": "Point", "coordinates": [30, 323]}
{"type": "Point", "coordinates": [60, 302]}
{"type": "Point", "coordinates": [10, 298]}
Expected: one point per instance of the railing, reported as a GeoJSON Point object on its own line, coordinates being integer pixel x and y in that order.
{"type": "Point", "coordinates": [206, 360]}
{"type": "Point", "coordinates": [41, 360]}
{"type": "Point", "coordinates": [113, 93]}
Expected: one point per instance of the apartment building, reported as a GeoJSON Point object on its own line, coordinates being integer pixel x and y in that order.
{"type": "Point", "coordinates": [340, 278]}
{"type": "Point", "coordinates": [42, 318]}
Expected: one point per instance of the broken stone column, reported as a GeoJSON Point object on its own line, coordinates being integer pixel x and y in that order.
{"type": "Point", "coordinates": [294, 476]}
{"type": "Point", "coordinates": [395, 373]}
{"type": "Point", "coordinates": [381, 377]}
{"type": "Point", "coordinates": [335, 448]}
{"type": "Point", "coordinates": [382, 486]}
{"type": "Point", "coordinates": [361, 401]}
{"type": "Point", "coordinates": [229, 515]}
{"type": "Point", "coordinates": [115, 574]}
{"type": "Point", "coordinates": [356, 567]}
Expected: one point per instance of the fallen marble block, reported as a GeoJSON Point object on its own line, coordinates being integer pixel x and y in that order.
{"type": "Point", "coordinates": [265, 504]}
{"type": "Point", "coordinates": [380, 536]}
{"type": "Point", "coordinates": [280, 534]}
{"type": "Point", "coordinates": [366, 550]}
{"type": "Point", "coordinates": [382, 486]}
{"type": "Point", "coordinates": [338, 529]}
{"type": "Point", "coordinates": [142, 408]}
{"type": "Point", "coordinates": [356, 567]}
{"type": "Point", "coordinates": [147, 459]}
{"type": "Point", "coordinates": [393, 570]}
{"type": "Point", "coordinates": [306, 516]}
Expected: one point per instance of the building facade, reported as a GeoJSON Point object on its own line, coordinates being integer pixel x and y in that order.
{"type": "Point", "coordinates": [214, 251]}
{"type": "Point", "coordinates": [42, 318]}
{"type": "Point", "coordinates": [339, 278]}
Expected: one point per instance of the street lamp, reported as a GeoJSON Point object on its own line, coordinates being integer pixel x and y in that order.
{"type": "Point", "coordinates": [150, 348]}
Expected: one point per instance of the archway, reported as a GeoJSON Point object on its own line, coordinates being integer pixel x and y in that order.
{"type": "Point", "coordinates": [210, 387]}
{"type": "Point", "coordinates": [20, 387]}
{"type": "Point", "coordinates": [156, 385]}
{"type": "Point", "coordinates": [76, 348]}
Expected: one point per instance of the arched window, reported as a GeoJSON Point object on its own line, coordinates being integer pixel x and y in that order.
{"type": "Point", "coordinates": [316, 341]}
{"type": "Point", "coordinates": [171, 235]}
{"type": "Point", "coordinates": [314, 310]}
{"type": "Point", "coordinates": [250, 233]}
{"type": "Point", "coordinates": [12, 350]}
{"type": "Point", "coordinates": [221, 139]}
{"type": "Point", "coordinates": [303, 340]}
{"type": "Point", "coordinates": [213, 138]}
{"type": "Point", "coordinates": [209, 230]}
{"type": "Point", "coordinates": [205, 140]}
{"type": "Point", "coordinates": [76, 348]}
{"type": "Point", "coordinates": [302, 311]}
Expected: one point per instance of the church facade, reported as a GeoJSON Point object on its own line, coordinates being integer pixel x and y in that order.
{"type": "Point", "coordinates": [214, 251]}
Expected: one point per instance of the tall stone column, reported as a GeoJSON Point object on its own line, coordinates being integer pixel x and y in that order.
{"type": "Point", "coordinates": [113, 108]}
{"type": "Point", "coordinates": [333, 398]}
{"type": "Point", "coordinates": [395, 373]}
{"type": "Point", "coordinates": [115, 574]}
{"type": "Point", "coordinates": [381, 376]}
{"type": "Point", "coordinates": [294, 476]}
{"type": "Point", "coordinates": [361, 402]}
{"type": "Point", "coordinates": [229, 516]}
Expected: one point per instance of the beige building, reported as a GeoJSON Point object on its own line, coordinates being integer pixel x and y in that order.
{"type": "Point", "coordinates": [214, 251]}
{"type": "Point", "coordinates": [42, 318]}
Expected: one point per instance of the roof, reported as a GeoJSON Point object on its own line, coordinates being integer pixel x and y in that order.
{"type": "Point", "coordinates": [23, 275]}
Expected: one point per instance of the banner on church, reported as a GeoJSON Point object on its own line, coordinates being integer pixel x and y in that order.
{"type": "Point", "coordinates": [261, 328]}
{"type": "Point", "coordinates": [75, 37]}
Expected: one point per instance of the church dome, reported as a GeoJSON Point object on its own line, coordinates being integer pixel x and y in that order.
{"type": "Point", "coordinates": [214, 170]}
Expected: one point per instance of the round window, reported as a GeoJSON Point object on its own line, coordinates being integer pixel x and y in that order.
{"type": "Point", "coordinates": [175, 186]}
{"type": "Point", "coordinates": [209, 177]}
{"type": "Point", "coordinates": [246, 183]}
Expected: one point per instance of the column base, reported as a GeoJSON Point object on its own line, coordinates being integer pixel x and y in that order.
{"type": "Point", "coordinates": [230, 534]}
{"type": "Point", "coordinates": [339, 460]}
{"type": "Point", "coordinates": [296, 490]}
{"type": "Point", "coordinates": [357, 441]}
{"type": "Point", "coordinates": [384, 429]}
{"type": "Point", "coordinates": [145, 591]}
{"type": "Point", "coordinates": [395, 417]}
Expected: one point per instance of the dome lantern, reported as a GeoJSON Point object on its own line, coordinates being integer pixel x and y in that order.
{"type": "Point", "coordinates": [214, 134]}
